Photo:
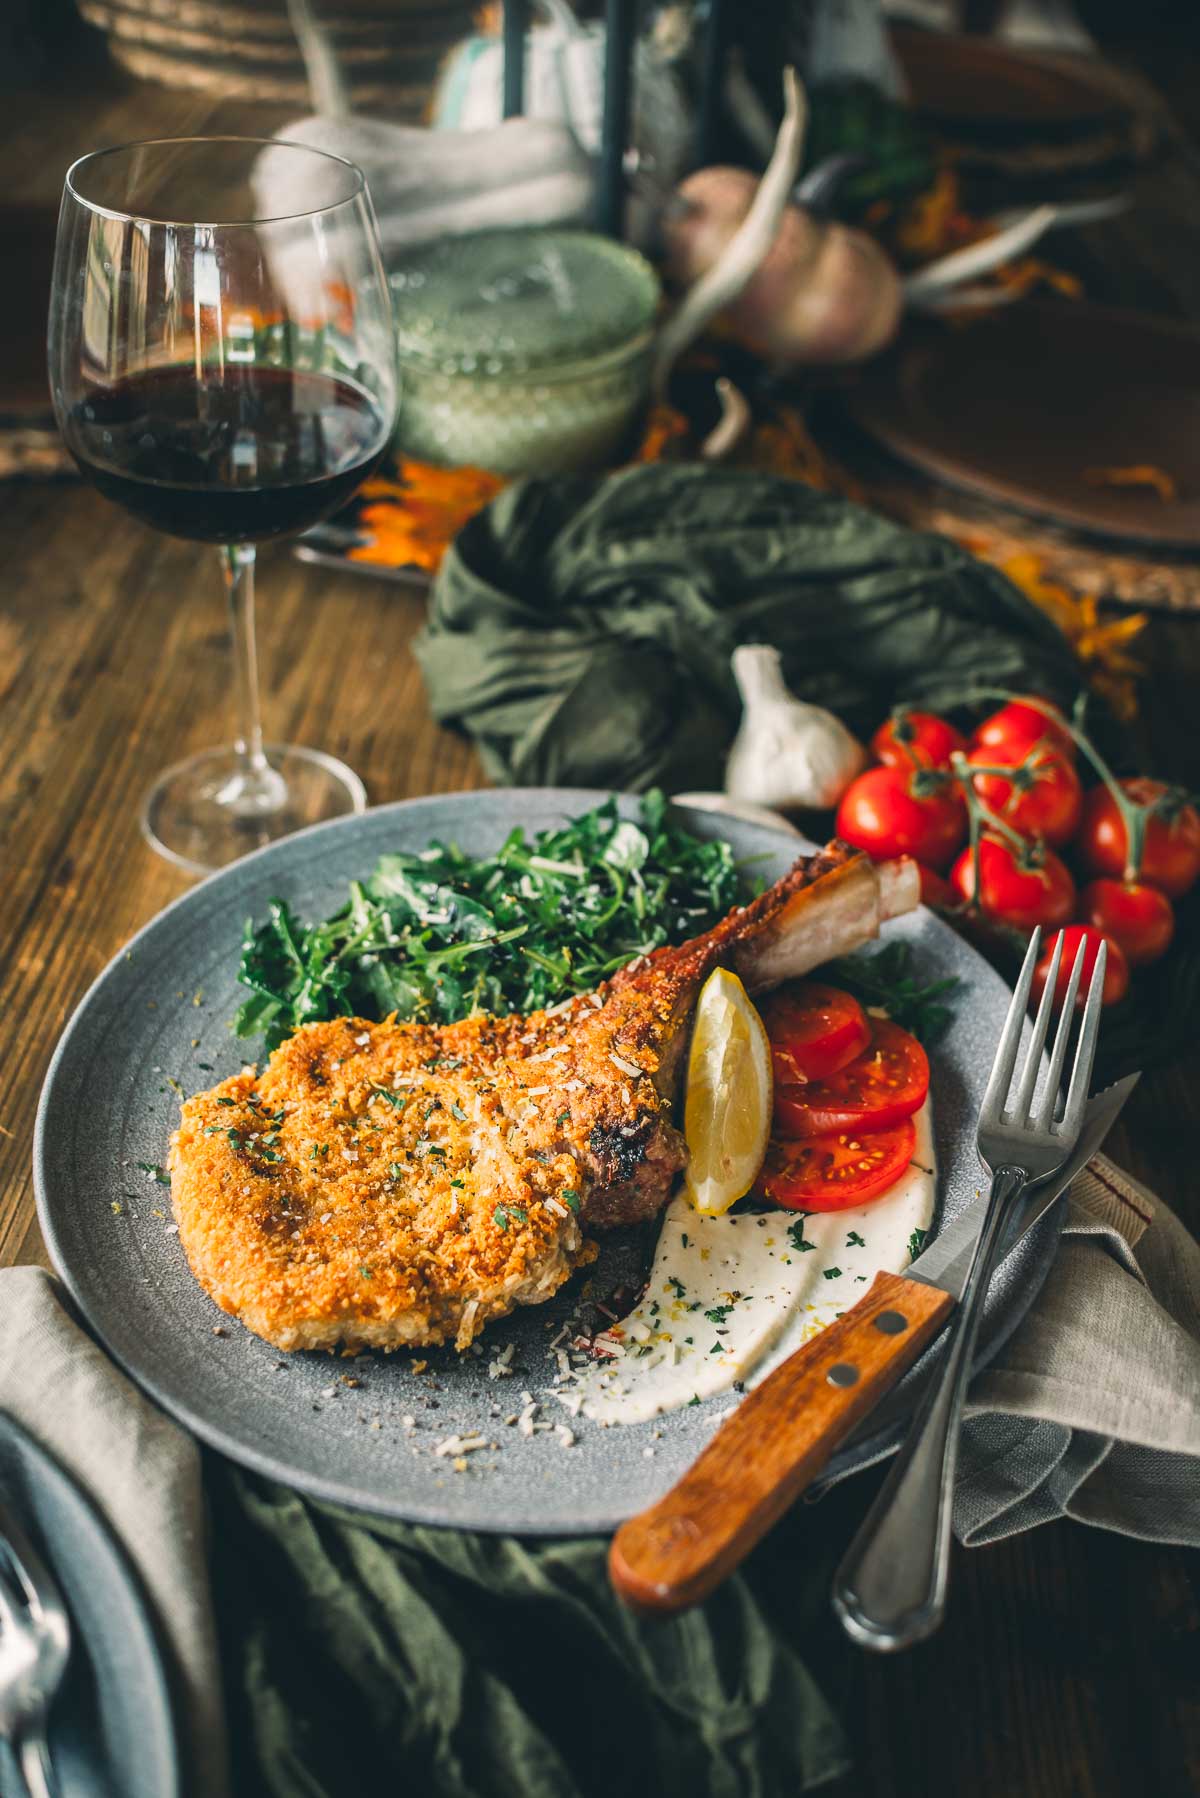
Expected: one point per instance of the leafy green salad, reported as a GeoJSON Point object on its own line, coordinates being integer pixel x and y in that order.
{"type": "Point", "coordinates": [440, 934]}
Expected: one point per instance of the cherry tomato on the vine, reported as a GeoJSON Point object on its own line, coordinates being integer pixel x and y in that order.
{"type": "Point", "coordinates": [916, 739]}
{"type": "Point", "coordinates": [1116, 968]}
{"type": "Point", "coordinates": [1171, 848]}
{"type": "Point", "coordinates": [881, 813]}
{"type": "Point", "coordinates": [1042, 799]}
{"type": "Point", "coordinates": [1022, 723]}
{"type": "Point", "coordinates": [1012, 892]}
{"type": "Point", "coordinates": [936, 891]}
{"type": "Point", "coordinates": [1133, 914]}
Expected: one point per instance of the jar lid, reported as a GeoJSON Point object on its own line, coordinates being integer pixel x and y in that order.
{"type": "Point", "coordinates": [494, 303]}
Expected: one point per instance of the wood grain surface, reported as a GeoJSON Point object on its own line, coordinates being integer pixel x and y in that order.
{"type": "Point", "coordinates": [1070, 1663]}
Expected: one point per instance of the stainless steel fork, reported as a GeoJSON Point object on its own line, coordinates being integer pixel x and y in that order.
{"type": "Point", "coordinates": [890, 1589]}
{"type": "Point", "coordinates": [35, 1644]}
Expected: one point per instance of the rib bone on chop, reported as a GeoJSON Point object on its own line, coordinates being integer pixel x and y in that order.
{"type": "Point", "coordinates": [390, 1185]}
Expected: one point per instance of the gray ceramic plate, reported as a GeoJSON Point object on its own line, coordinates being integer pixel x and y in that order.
{"type": "Point", "coordinates": [111, 1730]}
{"type": "Point", "coordinates": [160, 1013]}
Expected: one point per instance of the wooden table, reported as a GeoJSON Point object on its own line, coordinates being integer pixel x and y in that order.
{"type": "Point", "coordinates": [1070, 1666]}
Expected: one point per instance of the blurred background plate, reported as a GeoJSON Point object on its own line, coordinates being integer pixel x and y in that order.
{"type": "Point", "coordinates": [957, 401]}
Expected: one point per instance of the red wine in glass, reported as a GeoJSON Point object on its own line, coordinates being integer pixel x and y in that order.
{"type": "Point", "coordinates": [268, 452]}
{"type": "Point", "coordinates": [222, 364]}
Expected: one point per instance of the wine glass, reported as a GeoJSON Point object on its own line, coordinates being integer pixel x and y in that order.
{"type": "Point", "coordinates": [222, 364]}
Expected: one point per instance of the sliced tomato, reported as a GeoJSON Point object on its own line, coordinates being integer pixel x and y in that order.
{"type": "Point", "coordinates": [815, 1031]}
{"type": "Point", "coordinates": [888, 1082]}
{"type": "Point", "coordinates": [837, 1170]}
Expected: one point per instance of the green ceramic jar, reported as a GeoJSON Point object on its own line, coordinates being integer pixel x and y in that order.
{"type": "Point", "coordinates": [523, 351]}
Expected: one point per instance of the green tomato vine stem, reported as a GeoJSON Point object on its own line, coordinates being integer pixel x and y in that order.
{"type": "Point", "coordinates": [1134, 815]}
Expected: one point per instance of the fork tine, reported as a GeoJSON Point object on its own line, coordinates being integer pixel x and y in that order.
{"type": "Point", "coordinates": [1010, 1037]}
{"type": "Point", "coordinates": [1062, 1038]}
{"type": "Point", "coordinates": [1023, 1103]}
{"type": "Point", "coordinates": [1085, 1054]}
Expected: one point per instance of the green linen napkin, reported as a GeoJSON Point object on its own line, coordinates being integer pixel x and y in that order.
{"type": "Point", "coordinates": [473, 1666]}
{"type": "Point", "coordinates": [580, 629]}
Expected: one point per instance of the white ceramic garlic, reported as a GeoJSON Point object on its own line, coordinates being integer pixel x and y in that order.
{"type": "Point", "coordinates": [786, 753]}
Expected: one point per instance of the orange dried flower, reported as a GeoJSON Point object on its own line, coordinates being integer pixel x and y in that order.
{"type": "Point", "coordinates": [1138, 474]}
{"type": "Point", "coordinates": [411, 520]}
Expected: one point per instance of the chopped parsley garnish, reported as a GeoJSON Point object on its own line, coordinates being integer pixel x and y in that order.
{"type": "Point", "coordinates": [716, 1348]}
{"type": "Point", "coordinates": [570, 1197]}
{"type": "Point", "coordinates": [564, 1117]}
{"type": "Point", "coordinates": [885, 978]}
{"type": "Point", "coordinates": [397, 1100]}
{"type": "Point", "coordinates": [916, 1243]}
{"type": "Point", "coordinates": [833, 1273]}
{"type": "Point", "coordinates": [502, 1213]}
{"type": "Point", "coordinates": [855, 1241]}
{"type": "Point", "coordinates": [695, 1399]}
{"type": "Point", "coordinates": [457, 1111]}
{"type": "Point", "coordinates": [680, 1289]}
{"type": "Point", "coordinates": [224, 1101]}
{"type": "Point", "coordinates": [718, 1314]}
{"type": "Point", "coordinates": [796, 1235]}
{"type": "Point", "coordinates": [441, 934]}
{"type": "Point", "coordinates": [458, 1182]}
{"type": "Point", "coordinates": [152, 1168]}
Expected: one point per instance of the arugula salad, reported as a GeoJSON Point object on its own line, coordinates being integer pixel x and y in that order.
{"type": "Point", "coordinates": [440, 934]}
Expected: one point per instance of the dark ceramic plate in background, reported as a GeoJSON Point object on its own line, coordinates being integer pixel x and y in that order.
{"type": "Point", "coordinates": [111, 1730]}
{"type": "Point", "coordinates": [1020, 405]}
{"type": "Point", "coordinates": [161, 1011]}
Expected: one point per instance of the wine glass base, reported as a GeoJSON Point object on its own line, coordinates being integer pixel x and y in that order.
{"type": "Point", "coordinates": [192, 815]}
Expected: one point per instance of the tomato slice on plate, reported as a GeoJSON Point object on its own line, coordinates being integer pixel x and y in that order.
{"type": "Point", "coordinates": [815, 1031]}
{"type": "Point", "coordinates": [837, 1170]}
{"type": "Point", "coordinates": [886, 1083]}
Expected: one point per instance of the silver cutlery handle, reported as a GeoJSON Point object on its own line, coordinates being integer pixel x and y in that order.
{"type": "Point", "coordinates": [890, 1590]}
{"type": "Point", "coordinates": [35, 1765]}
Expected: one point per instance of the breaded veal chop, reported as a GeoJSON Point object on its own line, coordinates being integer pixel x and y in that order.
{"type": "Point", "coordinates": [390, 1185]}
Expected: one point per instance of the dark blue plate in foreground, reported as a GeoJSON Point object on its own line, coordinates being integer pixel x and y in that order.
{"type": "Point", "coordinates": [111, 1732]}
{"type": "Point", "coordinates": [160, 1013]}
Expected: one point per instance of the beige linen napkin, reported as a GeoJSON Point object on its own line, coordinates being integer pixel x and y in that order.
{"type": "Point", "coordinates": [142, 1473]}
{"type": "Point", "coordinates": [1092, 1408]}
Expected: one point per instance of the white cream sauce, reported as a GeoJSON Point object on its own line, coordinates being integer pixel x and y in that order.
{"type": "Point", "coordinates": [730, 1297]}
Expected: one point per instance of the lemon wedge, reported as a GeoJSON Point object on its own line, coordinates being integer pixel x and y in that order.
{"type": "Point", "coordinates": [727, 1105]}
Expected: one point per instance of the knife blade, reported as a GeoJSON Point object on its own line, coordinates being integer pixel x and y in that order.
{"type": "Point", "coordinates": [947, 1260]}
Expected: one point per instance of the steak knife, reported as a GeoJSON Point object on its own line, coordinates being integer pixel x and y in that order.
{"type": "Point", "coordinates": [782, 1434]}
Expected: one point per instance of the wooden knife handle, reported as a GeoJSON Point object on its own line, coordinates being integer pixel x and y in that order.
{"type": "Point", "coordinates": [776, 1442]}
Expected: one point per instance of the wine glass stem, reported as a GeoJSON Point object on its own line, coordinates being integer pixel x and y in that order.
{"type": "Point", "coordinates": [256, 788]}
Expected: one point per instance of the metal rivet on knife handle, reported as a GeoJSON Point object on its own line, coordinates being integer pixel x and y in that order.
{"type": "Point", "coordinates": [842, 1373]}
{"type": "Point", "coordinates": [891, 1322]}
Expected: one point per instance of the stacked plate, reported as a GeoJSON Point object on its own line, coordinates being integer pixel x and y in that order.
{"type": "Point", "coordinates": [389, 50]}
